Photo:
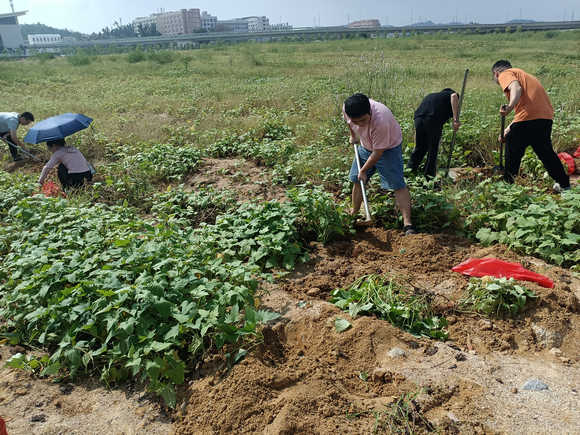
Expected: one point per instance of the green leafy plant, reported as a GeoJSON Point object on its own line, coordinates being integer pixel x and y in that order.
{"type": "Point", "coordinates": [494, 297]}
{"type": "Point", "coordinates": [392, 298]}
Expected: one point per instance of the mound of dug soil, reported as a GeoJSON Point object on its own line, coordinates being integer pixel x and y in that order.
{"type": "Point", "coordinates": [306, 378]}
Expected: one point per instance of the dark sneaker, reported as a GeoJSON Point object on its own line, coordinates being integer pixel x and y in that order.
{"type": "Point", "coordinates": [410, 229]}
{"type": "Point", "coordinates": [19, 157]}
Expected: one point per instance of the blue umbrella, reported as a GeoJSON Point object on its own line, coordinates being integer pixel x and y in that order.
{"type": "Point", "coordinates": [57, 127]}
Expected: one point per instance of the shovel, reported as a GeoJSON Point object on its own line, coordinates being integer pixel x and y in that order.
{"type": "Point", "coordinates": [500, 167]}
{"type": "Point", "coordinates": [452, 174]}
{"type": "Point", "coordinates": [368, 221]}
{"type": "Point", "coordinates": [24, 151]}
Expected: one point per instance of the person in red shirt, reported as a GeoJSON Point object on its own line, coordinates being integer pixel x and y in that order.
{"type": "Point", "coordinates": [532, 124]}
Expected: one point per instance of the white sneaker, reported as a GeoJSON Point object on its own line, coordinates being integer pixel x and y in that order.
{"type": "Point", "coordinates": [559, 189]}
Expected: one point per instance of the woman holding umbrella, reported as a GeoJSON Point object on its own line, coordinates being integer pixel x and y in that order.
{"type": "Point", "coordinates": [73, 169]}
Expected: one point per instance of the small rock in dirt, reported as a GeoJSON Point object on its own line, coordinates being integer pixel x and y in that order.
{"type": "Point", "coordinates": [514, 390]}
{"type": "Point", "coordinates": [565, 360]}
{"type": "Point", "coordinates": [57, 403]}
{"type": "Point", "coordinates": [499, 380]}
{"type": "Point", "coordinates": [396, 352]}
{"type": "Point", "coordinates": [39, 404]}
{"type": "Point", "coordinates": [314, 291]}
{"type": "Point", "coordinates": [484, 325]}
{"type": "Point", "coordinates": [413, 344]}
{"type": "Point", "coordinates": [556, 351]}
{"type": "Point", "coordinates": [66, 389]}
{"type": "Point", "coordinates": [452, 417]}
{"type": "Point", "coordinates": [535, 385]}
{"type": "Point", "coordinates": [460, 356]}
{"type": "Point", "coordinates": [431, 351]}
{"type": "Point", "coordinates": [453, 346]}
{"type": "Point", "coordinates": [546, 338]}
{"type": "Point", "coordinates": [453, 366]}
{"type": "Point", "coordinates": [451, 320]}
{"type": "Point", "coordinates": [22, 392]}
{"type": "Point", "coordinates": [472, 352]}
{"type": "Point", "coordinates": [40, 418]}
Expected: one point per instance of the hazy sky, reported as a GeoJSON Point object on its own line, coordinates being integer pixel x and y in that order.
{"type": "Point", "coordinates": [92, 15]}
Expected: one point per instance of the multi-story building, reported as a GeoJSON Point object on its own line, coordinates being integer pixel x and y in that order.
{"type": "Point", "coordinates": [257, 23]}
{"type": "Point", "coordinates": [145, 21]}
{"type": "Point", "coordinates": [10, 35]}
{"type": "Point", "coordinates": [184, 21]}
{"type": "Point", "coordinates": [44, 39]}
{"type": "Point", "coordinates": [237, 24]}
{"type": "Point", "coordinates": [364, 24]}
{"type": "Point", "coordinates": [208, 21]}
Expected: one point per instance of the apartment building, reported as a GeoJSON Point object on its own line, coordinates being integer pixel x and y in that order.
{"type": "Point", "coordinates": [208, 20]}
{"type": "Point", "coordinates": [181, 22]}
{"type": "Point", "coordinates": [257, 23]}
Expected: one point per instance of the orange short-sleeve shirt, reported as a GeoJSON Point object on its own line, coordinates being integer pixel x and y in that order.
{"type": "Point", "coordinates": [534, 102]}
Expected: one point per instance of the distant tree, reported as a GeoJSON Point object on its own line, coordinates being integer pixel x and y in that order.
{"type": "Point", "coordinates": [519, 29]}
{"type": "Point", "coordinates": [468, 32]}
{"type": "Point", "coordinates": [508, 29]}
{"type": "Point", "coordinates": [478, 30]}
{"type": "Point", "coordinates": [221, 27]}
{"type": "Point", "coordinates": [497, 30]}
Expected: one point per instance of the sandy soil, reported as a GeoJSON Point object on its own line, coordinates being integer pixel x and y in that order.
{"type": "Point", "coordinates": [304, 377]}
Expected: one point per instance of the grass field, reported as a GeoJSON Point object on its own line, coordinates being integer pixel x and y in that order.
{"type": "Point", "coordinates": [125, 279]}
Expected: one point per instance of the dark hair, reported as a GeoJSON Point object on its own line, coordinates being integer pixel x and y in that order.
{"type": "Point", "coordinates": [58, 142]}
{"type": "Point", "coordinates": [357, 105]}
{"type": "Point", "coordinates": [28, 116]}
{"type": "Point", "coordinates": [501, 65]}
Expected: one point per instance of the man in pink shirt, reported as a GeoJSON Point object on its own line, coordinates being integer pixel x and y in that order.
{"type": "Point", "coordinates": [373, 126]}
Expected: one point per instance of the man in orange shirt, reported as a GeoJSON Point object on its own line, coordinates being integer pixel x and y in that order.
{"type": "Point", "coordinates": [532, 124]}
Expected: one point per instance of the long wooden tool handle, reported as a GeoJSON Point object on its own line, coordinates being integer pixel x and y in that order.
{"type": "Point", "coordinates": [362, 184]}
{"type": "Point", "coordinates": [458, 112]}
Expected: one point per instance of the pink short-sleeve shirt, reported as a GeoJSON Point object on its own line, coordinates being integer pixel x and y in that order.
{"type": "Point", "coordinates": [382, 132]}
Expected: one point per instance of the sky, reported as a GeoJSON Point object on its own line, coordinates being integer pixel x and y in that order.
{"type": "Point", "coordinates": [89, 16]}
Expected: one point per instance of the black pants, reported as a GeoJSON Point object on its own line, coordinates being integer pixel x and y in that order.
{"type": "Point", "coordinates": [427, 138]}
{"type": "Point", "coordinates": [72, 180]}
{"type": "Point", "coordinates": [13, 149]}
{"type": "Point", "coordinates": [536, 133]}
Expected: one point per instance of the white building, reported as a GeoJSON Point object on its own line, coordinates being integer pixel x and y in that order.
{"type": "Point", "coordinates": [145, 21]}
{"type": "Point", "coordinates": [208, 21]}
{"type": "Point", "coordinates": [237, 24]}
{"type": "Point", "coordinates": [280, 26]}
{"type": "Point", "coordinates": [257, 23]}
{"type": "Point", "coordinates": [44, 39]}
{"type": "Point", "coordinates": [10, 35]}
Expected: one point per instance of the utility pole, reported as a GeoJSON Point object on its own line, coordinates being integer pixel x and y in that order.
{"type": "Point", "coordinates": [12, 6]}
{"type": "Point", "coordinates": [565, 13]}
{"type": "Point", "coordinates": [348, 19]}
{"type": "Point", "coordinates": [572, 19]}
{"type": "Point", "coordinates": [521, 11]}
{"type": "Point", "coordinates": [411, 17]}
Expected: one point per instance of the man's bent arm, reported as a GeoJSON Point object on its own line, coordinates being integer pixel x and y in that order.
{"type": "Point", "coordinates": [515, 90]}
{"type": "Point", "coordinates": [17, 141]}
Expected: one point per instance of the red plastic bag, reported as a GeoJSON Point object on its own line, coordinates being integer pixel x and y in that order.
{"type": "Point", "coordinates": [500, 269]}
{"type": "Point", "coordinates": [567, 159]}
{"type": "Point", "coordinates": [576, 153]}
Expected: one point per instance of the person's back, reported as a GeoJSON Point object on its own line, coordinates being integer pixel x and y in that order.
{"type": "Point", "coordinates": [534, 102]}
{"type": "Point", "coordinates": [437, 106]}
